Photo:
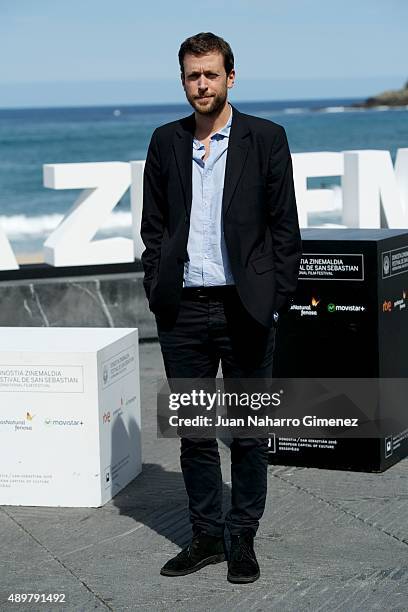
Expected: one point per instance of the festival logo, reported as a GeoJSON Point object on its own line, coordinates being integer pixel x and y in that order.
{"type": "Point", "coordinates": [345, 307]}
{"type": "Point", "coordinates": [307, 309]}
{"type": "Point", "coordinates": [399, 304]}
{"type": "Point", "coordinates": [62, 422]}
{"type": "Point", "coordinates": [387, 306]}
{"type": "Point", "coordinates": [386, 265]}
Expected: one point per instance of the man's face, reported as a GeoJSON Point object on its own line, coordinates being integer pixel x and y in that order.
{"type": "Point", "coordinates": [205, 82]}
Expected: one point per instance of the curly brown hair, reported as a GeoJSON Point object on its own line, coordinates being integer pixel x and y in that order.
{"type": "Point", "coordinates": [206, 42]}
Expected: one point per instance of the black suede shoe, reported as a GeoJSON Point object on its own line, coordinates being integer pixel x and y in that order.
{"type": "Point", "coordinates": [242, 564]}
{"type": "Point", "coordinates": [203, 550]}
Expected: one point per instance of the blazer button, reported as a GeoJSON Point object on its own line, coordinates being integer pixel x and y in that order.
{"type": "Point", "coordinates": [185, 218]}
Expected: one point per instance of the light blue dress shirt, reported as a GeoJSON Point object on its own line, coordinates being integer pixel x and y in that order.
{"type": "Point", "coordinates": [208, 263]}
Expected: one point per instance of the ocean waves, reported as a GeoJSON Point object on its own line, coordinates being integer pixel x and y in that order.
{"type": "Point", "coordinates": [23, 227]}
{"type": "Point", "coordinates": [30, 212]}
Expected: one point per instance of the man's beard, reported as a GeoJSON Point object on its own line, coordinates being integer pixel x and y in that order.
{"type": "Point", "coordinates": [214, 104]}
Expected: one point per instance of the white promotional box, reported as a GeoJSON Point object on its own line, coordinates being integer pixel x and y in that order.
{"type": "Point", "coordinates": [69, 415]}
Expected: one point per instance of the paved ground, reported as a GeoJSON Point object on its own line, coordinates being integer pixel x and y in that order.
{"type": "Point", "coordinates": [329, 540]}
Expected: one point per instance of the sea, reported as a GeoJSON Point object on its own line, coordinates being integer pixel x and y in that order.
{"type": "Point", "coordinates": [30, 138]}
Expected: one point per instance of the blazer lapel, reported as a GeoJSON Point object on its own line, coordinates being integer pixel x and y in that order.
{"type": "Point", "coordinates": [236, 156]}
{"type": "Point", "coordinates": [183, 147]}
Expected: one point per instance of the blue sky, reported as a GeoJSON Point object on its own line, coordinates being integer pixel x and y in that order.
{"type": "Point", "coordinates": [71, 52]}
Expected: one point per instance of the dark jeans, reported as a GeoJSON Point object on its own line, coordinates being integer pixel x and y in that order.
{"type": "Point", "coordinates": [207, 331]}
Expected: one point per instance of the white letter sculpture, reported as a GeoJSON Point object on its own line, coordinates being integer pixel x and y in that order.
{"type": "Point", "coordinates": [104, 183]}
{"type": "Point", "coordinates": [372, 186]}
{"type": "Point", "coordinates": [314, 164]}
{"type": "Point", "coordinates": [8, 260]}
{"type": "Point", "coordinates": [374, 195]}
{"type": "Point", "coordinates": [136, 199]}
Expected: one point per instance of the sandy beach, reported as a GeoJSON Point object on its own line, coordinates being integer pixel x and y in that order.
{"type": "Point", "coordinates": [30, 258]}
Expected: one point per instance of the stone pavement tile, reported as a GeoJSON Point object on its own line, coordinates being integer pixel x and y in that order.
{"type": "Point", "coordinates": [141, 504]}
{"type": "Point", "coordinates": [290, 566]}
{"type": "Point", "coordinates": [154, 450]}
{"type": "Point", "coordinates": [156, 499]}
{"type": "Point", "coordinates": [380, 500]}
{"type": "Point", "coordinates": [27, 566]}
{"type": "Point", "coordinates": [295, 520]}
{"type": "Point", "coordinates": [359, 590]}
{"type": "Point", "coordinates": [299, 551]}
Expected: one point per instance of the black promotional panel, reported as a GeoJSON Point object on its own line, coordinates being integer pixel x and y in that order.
{"type": "Point", "coordinates": [349, 320]}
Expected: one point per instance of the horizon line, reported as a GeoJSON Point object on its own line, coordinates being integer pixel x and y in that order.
{"type": "Point", "coordinates": [173, 104]}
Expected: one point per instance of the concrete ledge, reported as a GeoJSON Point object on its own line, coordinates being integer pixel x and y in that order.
{"type": "Point", "coordinates": [106, 300]}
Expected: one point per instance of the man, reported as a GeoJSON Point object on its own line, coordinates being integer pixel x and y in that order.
{"type": "Point", "coordinates": [223, 247]}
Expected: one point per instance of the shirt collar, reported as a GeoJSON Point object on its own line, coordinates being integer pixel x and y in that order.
{"type": "Point", "coordinates": [224, 132]}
